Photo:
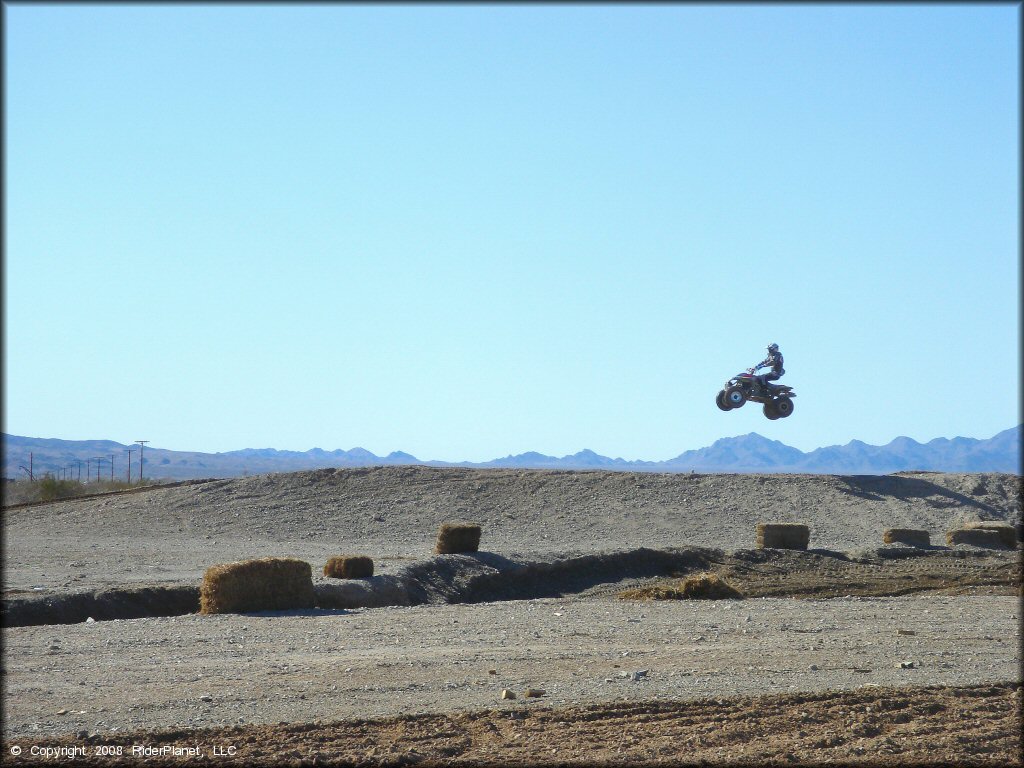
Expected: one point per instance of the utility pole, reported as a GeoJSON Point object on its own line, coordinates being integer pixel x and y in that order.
{"type": "Point", "coordinates": [79, 461]}
{"type": "Point", "coordinates": [88, 463]}
{"type": "Point", "coordinates": [111, 467]}
{"type": "Point", "coordinates": [129, 452]}
{"type": "Point", "coordinates": [142, 445]}
{"type": "Point", "coordinates": [99, 461]}
{"type": "Point", "coordinates": [31, 475]}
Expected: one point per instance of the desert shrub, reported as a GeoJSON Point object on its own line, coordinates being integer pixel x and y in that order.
{"type": "Point", "coordinates": [266, 584]}
{"type": "Point", "coordinates": [349, 567]}
{"type": "Point", "coordinates": [51, 488]}
{"type": "Point", "coordinates": [457, 537]}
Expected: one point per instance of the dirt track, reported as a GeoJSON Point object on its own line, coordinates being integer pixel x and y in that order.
{"type": "Point", "coordinates": [974, 725]}
{"type": "Point", "coordinates": [623, 680]}
{"type": "Point", "coordinates": [172, 535]}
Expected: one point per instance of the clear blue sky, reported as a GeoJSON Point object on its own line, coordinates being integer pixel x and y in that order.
{"type": "Point", "coordinates": [468, 232]}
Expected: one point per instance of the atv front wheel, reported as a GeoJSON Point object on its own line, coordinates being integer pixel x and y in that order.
{"type": "Point", "coordinates": [720, 401]}
{"type": "Point", "coordinates": [735, 397]}
{"type": "Point", "coordinates": [784, 407]}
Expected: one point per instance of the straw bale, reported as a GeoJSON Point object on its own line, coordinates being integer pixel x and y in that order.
{"type": "Point", "coordinates": [265, 584]}
{"type": "Point", "coordinates": [1007, 532]}
{"type": "Point", "coordinates": [782, 536]}
{"type": "Point", "coordinates": [978, 537]}
{"type": "Point", "coordinates": [910, 536]}
{"type": "Point", "coordinates": [457, 537]}
{"type": "Point", "coordinates": [349, 567]}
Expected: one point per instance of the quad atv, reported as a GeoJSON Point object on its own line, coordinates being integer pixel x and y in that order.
{"type": "Point", "coordinates": [777, 398]}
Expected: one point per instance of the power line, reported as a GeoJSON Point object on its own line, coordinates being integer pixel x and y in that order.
{"type": "Point", "coordinates": [142, 445]}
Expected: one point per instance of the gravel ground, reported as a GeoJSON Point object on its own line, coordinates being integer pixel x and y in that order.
{"type": "Point", "coordinates": [196, 671]}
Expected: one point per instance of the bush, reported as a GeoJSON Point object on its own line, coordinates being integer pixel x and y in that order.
{"type": "Point", "coordinates": [51, 488]}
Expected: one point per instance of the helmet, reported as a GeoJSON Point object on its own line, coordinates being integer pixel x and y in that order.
{"type": "Point", "coordinates": [773, 347]}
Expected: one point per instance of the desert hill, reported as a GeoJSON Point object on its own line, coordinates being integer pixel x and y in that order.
{"type": "Point", "coordinates": [393, 513]}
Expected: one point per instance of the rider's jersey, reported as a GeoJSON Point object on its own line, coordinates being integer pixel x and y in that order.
{"type": "Point", "coordinates": [773, 361]}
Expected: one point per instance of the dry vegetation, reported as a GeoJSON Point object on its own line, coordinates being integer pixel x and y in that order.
{"type": "Point", "coordinates": [701, 586]}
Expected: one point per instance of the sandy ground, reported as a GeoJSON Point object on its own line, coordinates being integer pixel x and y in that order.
{"type": "Point", "coordinates": [829, 657]}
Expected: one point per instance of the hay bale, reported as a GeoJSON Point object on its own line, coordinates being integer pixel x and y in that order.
{"type": "Point", "coordinates": [457, 537]}
{"type": "Point", "coordinates": [349, 567]}
{"type": "Point", "coordinates": [976, 537]}
{"type": "Point", "coordinates": [1007, 532]}
{"type": "Point", "coordinates": [909, 536]}
{"type": "Point", "coordinates": [266, 584]}
{"type": "Point", "coordinates": [782, 536]}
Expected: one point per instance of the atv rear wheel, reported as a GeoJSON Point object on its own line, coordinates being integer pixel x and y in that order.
{"type": "Point", "coordinates": [720, 401]}
{"type": "Point", "coordinates": [769, 411]}
{"type": "Point", "coordinates": [735, 397]}
{"type": "Point", "coordinates": [783, 407]}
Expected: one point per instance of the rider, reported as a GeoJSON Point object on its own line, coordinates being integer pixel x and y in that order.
{"type": "Point", "coordinates": [773, 361]}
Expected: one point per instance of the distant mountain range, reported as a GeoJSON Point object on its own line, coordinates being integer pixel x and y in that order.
{"type": "Point", "coordinates": [745, 453]}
